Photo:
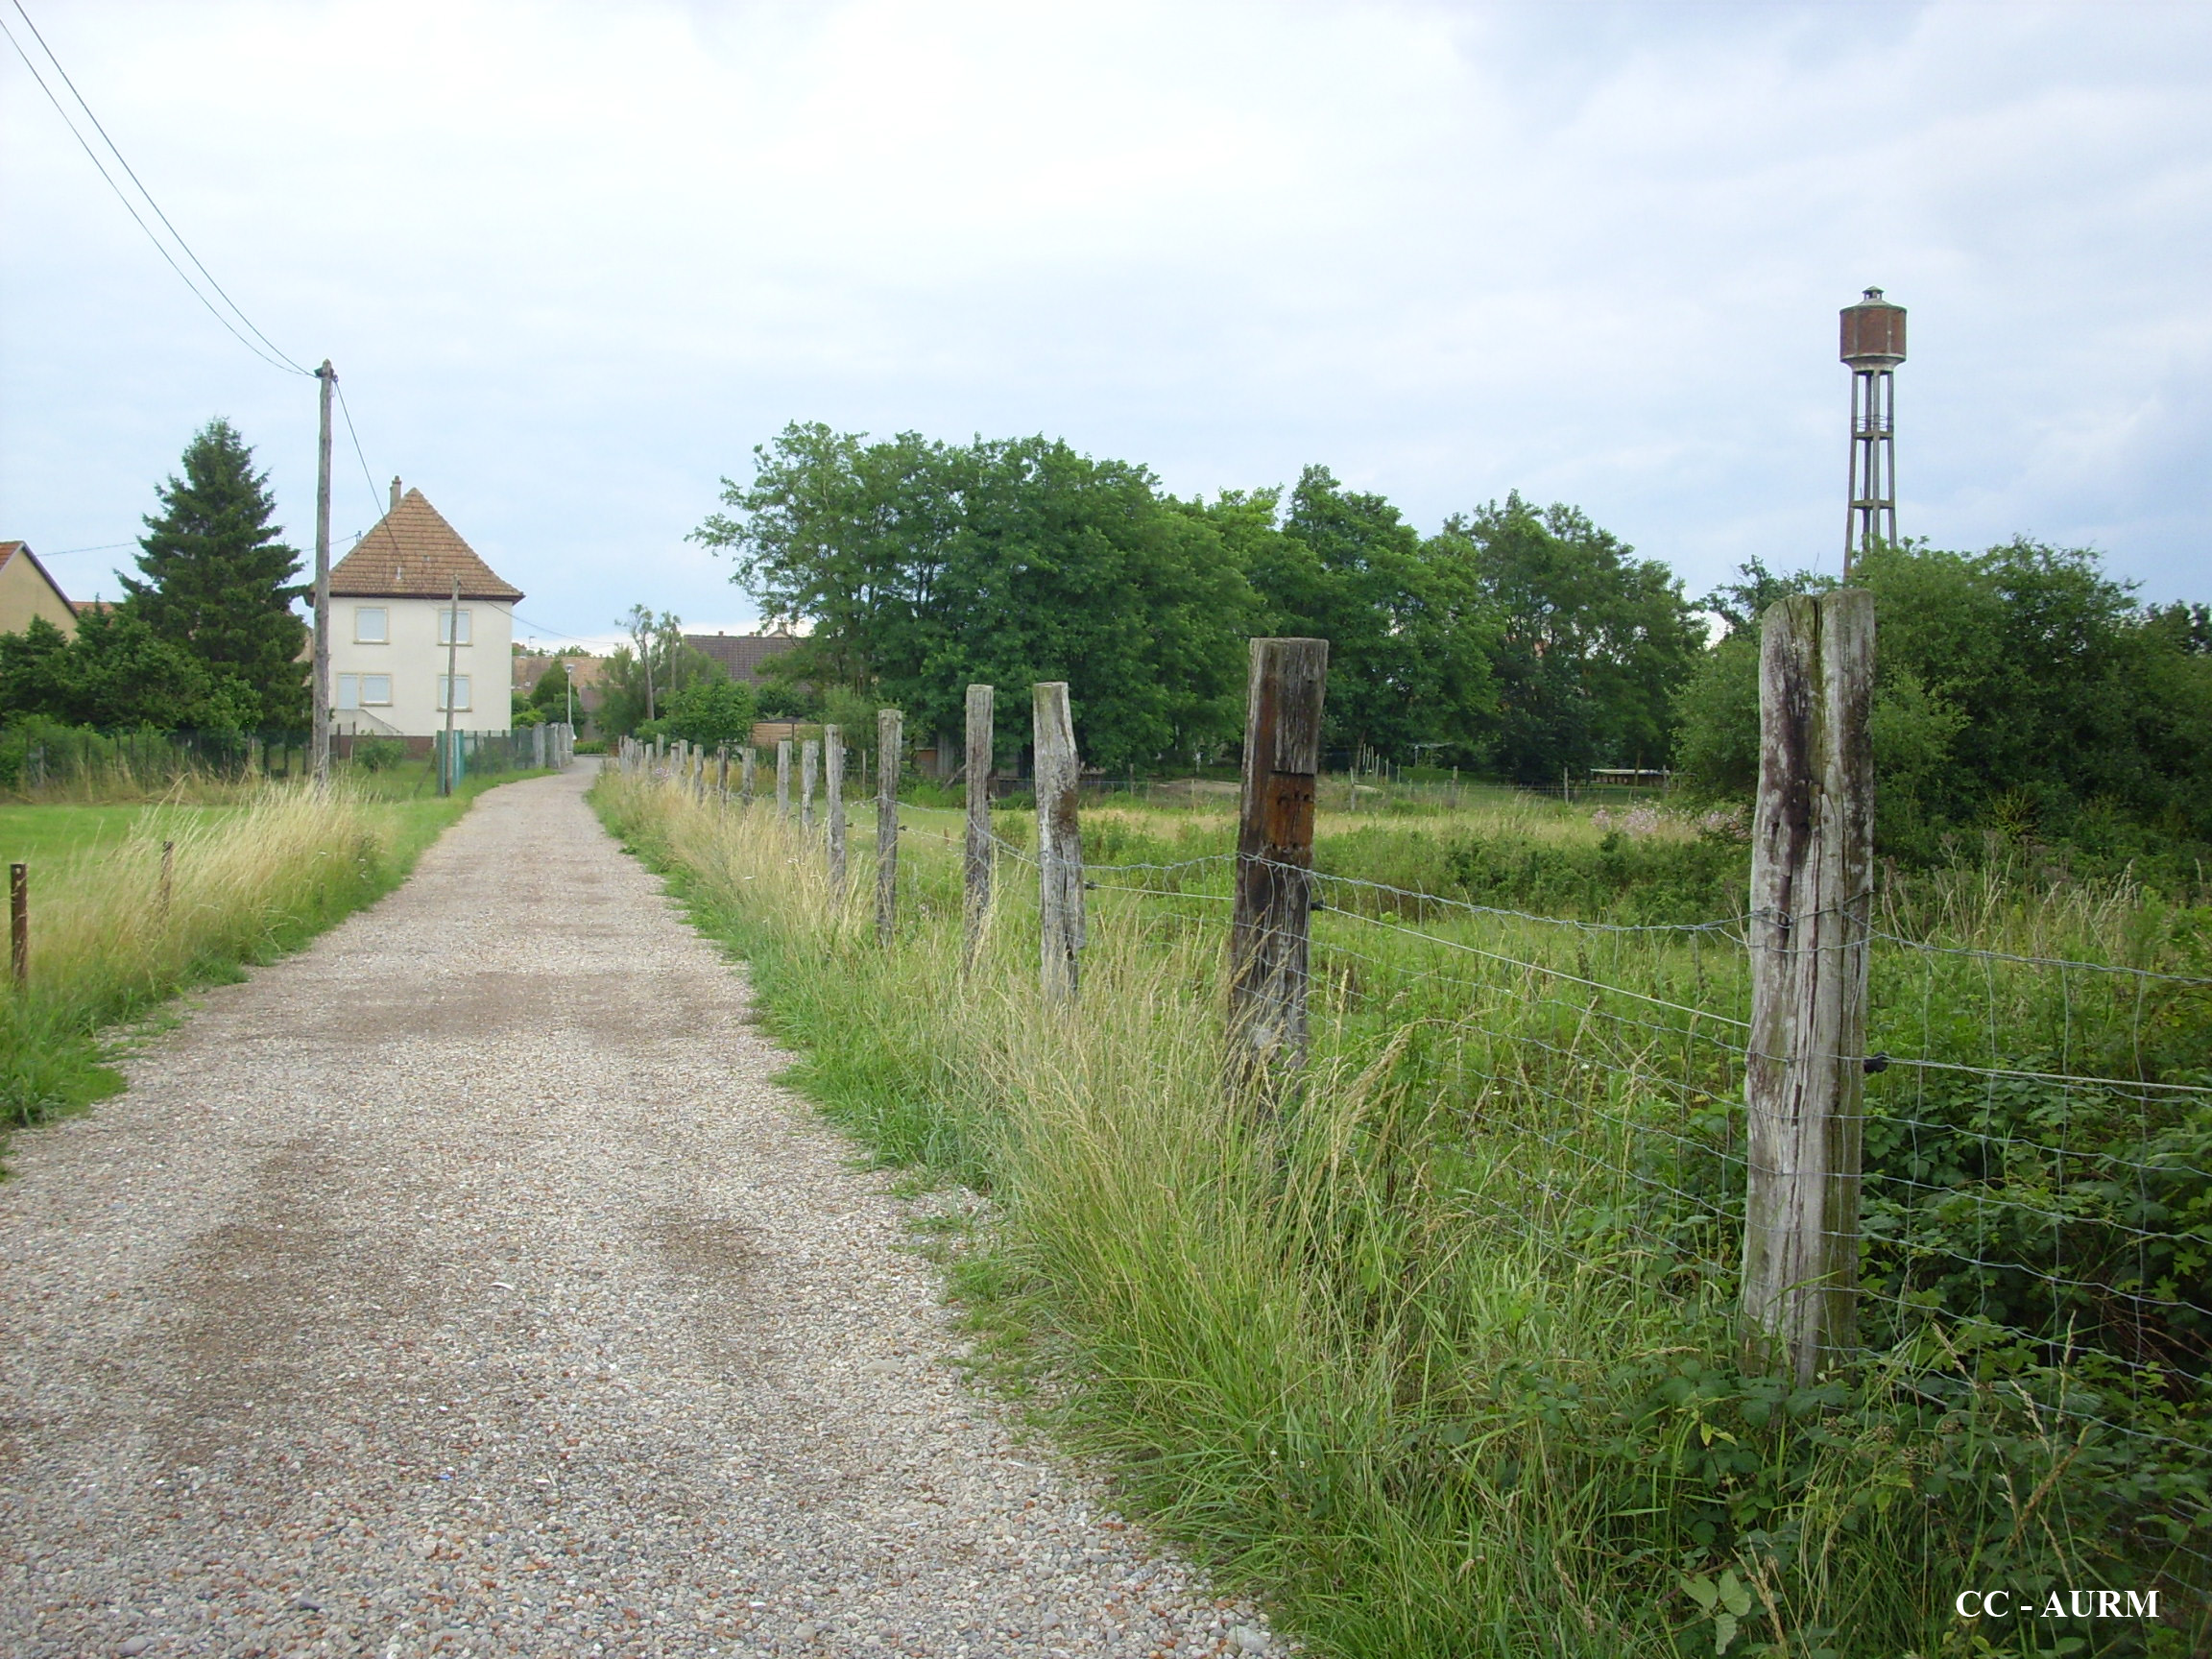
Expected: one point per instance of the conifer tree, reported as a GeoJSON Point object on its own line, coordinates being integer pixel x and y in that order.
{"type": "Point", "coordinates": [217, 581]}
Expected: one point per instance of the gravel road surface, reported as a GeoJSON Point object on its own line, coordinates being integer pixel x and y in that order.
{"type": "Point", "coordinates": [464, 1285]}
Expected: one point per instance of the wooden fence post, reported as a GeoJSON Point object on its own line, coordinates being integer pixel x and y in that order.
{"type": "Point", "coordinates": [748, 758]}
{"type": "Point", "coordinates": [980, 737]}
{"type": "Point", "coordinates": [1270, 933]}
{"type": "Point", "coordinates": [1059, 843]}
{"type": "Point", "coordinates": [168, 877]}
{"type": "Point", "coordinates": [1812, 885]}
{"type": "Point", "coordinates": [784, 778]}
{"type": "Point", "coordinates": [810, 763]}
{"type": "Point", "coordinates": [722, 774]}
{"type": "Point", "coordinates": [834, 794]}
{"type": "Point", "coordinates": [887, 736]}
{"type": "Point", "coordinates": [19, 924]}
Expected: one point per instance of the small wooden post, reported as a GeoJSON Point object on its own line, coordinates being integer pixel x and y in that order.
{"type": "Point", "coordinates": [810, 763]}
{"type": "Point", "coordinates": [722, 774]}
{"type": "Point", "coordinates": [1811, 886]}
{"type": "Point", "coordinates": [1059, 843]}
{"type": "Point", "coordinates": [168, 876]}
{"type": "Point", "coordinates": [833, 793]}
{"type": "Point", "coordinates": [747, 757]}
{"type": "Point", "coordinates": [19, 924]}
{"type": "Point", "coordinates": [887, 738]}
{"type": "Point", "coordinates": [1270, 932]}
{"type": "Point", "coordinates": [978, 864]}
{"type": "Point", "coordinates": [784, 778]}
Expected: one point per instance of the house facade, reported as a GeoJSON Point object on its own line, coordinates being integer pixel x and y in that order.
{"type": "Point", "coordinates": [27, 590]}
{"type": "Point", "coordinates": [395, 626]}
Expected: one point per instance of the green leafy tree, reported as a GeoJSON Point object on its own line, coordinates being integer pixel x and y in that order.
{"type": "Point", "coordinates": [218, 583]}
{"type": "Point", "coordinates": [1409, 631]}
{"type": "Point", "coordinates": [1593, 644]}
{"type": "Point", "coordinates": [710, 713]}
{"type": "Point", "coordinates": [116, 673]}
{"type": "Point", "coordinates": [924, 566]}
{"type": "Point", "coordinates": [2022, 677]}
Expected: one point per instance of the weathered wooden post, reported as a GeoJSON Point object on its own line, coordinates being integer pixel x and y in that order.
{"type": "Point", "coordinates": [1270, 932]}
{"type": "Point", "coordinates": [978, 864]}
{"type": "Point", "coordinates": [168, 877]}
{"type": "Point", "coordinates": [887, 738]}
{"type": "Point", "coordinates": [833, 793]}
{"type": "Point", "coordinates": [810, 763]}
{"type": "Point", "coordinates": [784, 778]}
{"type": "Point", "coordinates": [1811, 886]}
{"type": "Point", "coordinates": [722, 774]}
{"type": "Point", "coordinates": [19, 924]}
{"type": "Point", "coordinates": [748, 758]}
{"type": "Point", "coordinates": [1059, 843]}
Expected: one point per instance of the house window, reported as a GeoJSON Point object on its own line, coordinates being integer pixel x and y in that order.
{"type": "Point", "coordinates": [372, 625]}
{"type": "Point", "coordinates": [460, 685]}
{"type": "Point", "coordinates": [452, 626]}
{"type": "Point", "coordinates": [376, 690]}
{"type": "Point", "coordinates": [349, 690]}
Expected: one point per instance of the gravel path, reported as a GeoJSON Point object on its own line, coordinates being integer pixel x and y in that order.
{"type": "Point", "coordinates": [463, 1285]}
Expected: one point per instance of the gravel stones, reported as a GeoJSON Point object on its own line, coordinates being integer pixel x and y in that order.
{"type": "Point", "coordinates": [464, 1285]}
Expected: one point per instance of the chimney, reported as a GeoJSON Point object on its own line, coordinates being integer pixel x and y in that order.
{"type": "Point", "coordinates": [394, 495]}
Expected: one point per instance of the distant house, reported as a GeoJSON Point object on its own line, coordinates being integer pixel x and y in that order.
{"type": "Point", "coordinates": [742, 655]}
{"type": "Point", "coordinates": [27, 590]}
{"type": "Point", "coordinates": [394, 626]}
{"type": "Point", "coordinates": [587, 674]}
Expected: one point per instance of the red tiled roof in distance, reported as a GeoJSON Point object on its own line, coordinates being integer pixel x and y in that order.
{"type": "Point", "coordinates": [413, 554]}
{"type": "Point", "coordinates": [741, 655]}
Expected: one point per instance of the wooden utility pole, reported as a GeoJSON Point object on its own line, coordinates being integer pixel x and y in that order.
{"type": "Point", "coordinates": [1269, 937]}
{"type": "Point", "coordinates": [451, 775]}
{"type": "Point", "coordinates": [834, 802]}
{"type": "Point", "coordinates": [888, 722]}
{"type": "Point", "coordinates": [977, 868]}
{"type": "Point", "coordinates": [1059, 842]}
{"type": "Point", "coordinates": [19, 924]}
{"type": "Point", "coordinates": [1811, 886]}
{"type": "Point", "coordinates": [810, 763]}
{"type": "Point", "coordinates": [327, 379]}
{"type": "Point", "coordinates": [784, 778]}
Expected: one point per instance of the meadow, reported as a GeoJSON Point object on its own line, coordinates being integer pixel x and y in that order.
{"type": "Point", "coordinates": [1441, 1358]}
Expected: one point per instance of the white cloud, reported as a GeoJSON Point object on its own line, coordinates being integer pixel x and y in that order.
{"type": "Point", "coordinates": [574, 262]}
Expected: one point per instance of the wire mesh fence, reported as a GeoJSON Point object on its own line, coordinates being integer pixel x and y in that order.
{"type": "Point", "coordinates": [2035, 1201]}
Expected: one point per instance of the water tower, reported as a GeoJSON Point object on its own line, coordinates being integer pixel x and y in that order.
{"type": "Point", "coordinates": [1873, 345]}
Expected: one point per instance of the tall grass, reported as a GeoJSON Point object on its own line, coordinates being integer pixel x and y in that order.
{"type": "Point", "coordinates": [1438, 1361]}
{"type": "Point", "coordinates": [112, 937]}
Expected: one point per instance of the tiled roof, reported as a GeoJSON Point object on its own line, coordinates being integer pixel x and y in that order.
{"type": "Point", "coordinates": [413, 554]}
{"type": "Point", "coordinates": [741, 655]}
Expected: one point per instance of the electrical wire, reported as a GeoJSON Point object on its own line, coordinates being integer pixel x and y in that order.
{"type": "Point", "coordinates": [116, 150]}
{"type": "Point", "coordinates": [272, 355]}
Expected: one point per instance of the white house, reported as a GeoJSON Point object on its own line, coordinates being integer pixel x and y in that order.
{"type": "Point", "coordinates": [394, 626]}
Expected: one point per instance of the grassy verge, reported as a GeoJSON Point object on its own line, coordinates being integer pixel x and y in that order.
{"type": "Point", "coordinates": [1439, 1362]}
{"type": "Point", "coordinates": [247, 882]}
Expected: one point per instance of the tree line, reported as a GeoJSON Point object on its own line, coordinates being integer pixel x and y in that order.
{"type": "Point", "coordinates": [2021, 685]}
{"type": "Point", "coordinates": [1518, 640]}
{"type": "Point", "coordinates": [204, 638]}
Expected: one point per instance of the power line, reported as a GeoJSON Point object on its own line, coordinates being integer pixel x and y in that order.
{"type": "Point", "coordinates": [273, 355]}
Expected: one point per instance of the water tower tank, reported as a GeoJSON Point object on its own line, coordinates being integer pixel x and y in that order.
{"type": "Point", "coordinates": [1873, 333]}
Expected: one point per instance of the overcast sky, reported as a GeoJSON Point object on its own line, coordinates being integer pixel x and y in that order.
{"type": "Point", "coordinates": [573, 262]}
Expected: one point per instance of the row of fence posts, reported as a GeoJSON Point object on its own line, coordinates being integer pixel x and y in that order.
{"type": "Point", "coordinates": [1811, 896]}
